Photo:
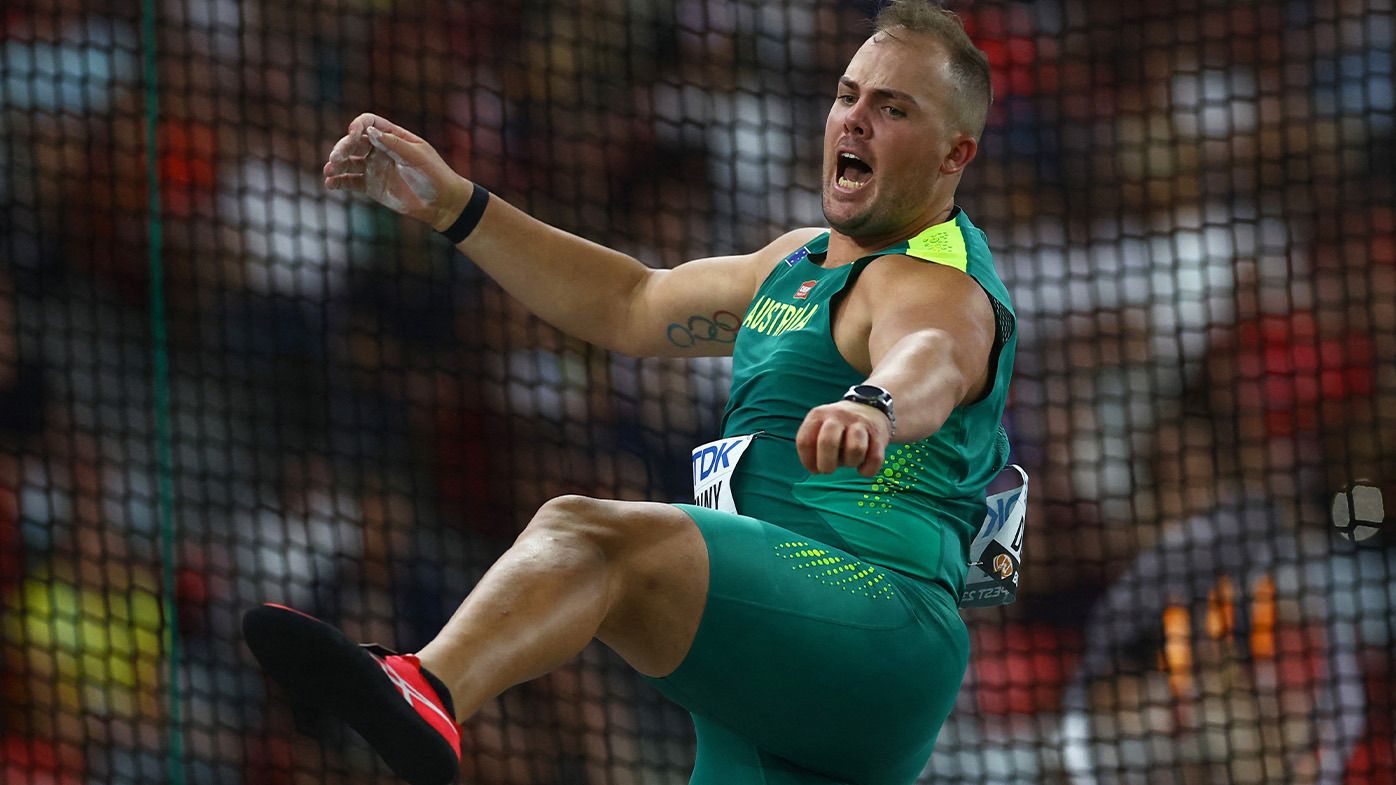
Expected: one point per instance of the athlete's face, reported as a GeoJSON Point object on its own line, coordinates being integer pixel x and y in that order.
{"type": "Point", "coordinates": [893, 114]}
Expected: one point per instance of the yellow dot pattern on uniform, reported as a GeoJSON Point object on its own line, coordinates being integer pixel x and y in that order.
{"type": "Point", "coordinates": [835, 569]}
{"type": "Point", "coordinates": [897, 476]}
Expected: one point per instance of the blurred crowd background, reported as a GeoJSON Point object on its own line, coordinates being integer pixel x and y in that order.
{"type": "Point", "coordinates": [1190, 200]}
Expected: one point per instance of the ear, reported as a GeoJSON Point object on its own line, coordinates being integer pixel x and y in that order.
{"type": "Point", "coordinates": [962, 151]}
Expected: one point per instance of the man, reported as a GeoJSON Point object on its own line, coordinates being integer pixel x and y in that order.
{"type": "Point", "coordinates": [818, 640]}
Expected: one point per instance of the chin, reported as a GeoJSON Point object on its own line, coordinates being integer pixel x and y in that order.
{"type": "Point", "coordinates": [835, 214]}
{"type": "Point", "coordinates": [846, 223]}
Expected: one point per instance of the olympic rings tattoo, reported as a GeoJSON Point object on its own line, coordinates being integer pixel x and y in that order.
{"type": "Point", "coordinates": [720, 328]}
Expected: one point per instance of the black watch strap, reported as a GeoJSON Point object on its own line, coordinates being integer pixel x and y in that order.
{"type": "Point", "coordinates": [876, 397]}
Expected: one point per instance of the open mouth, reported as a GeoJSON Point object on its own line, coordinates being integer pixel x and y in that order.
{"type": "Point", "coordinates": [853, 173]}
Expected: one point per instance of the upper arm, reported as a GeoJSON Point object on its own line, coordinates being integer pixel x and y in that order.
{"type": "Point", "coordinates": [940, 305]}
{"type": "Point", "coordinates": [695, 309]}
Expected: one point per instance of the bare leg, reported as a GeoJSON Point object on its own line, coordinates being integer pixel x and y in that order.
{"type": "Point", "coordinates": [633, 574]}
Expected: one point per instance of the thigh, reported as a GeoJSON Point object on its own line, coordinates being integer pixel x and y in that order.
{"type": "Point", "coordinates": [836, 665]}
{"type": "Point", "coordinates": [657, 580]}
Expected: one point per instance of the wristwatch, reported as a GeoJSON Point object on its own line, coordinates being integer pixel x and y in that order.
{"type": "Point", "coordinates": [876, 397]}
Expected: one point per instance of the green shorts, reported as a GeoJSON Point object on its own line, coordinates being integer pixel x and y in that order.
{"type": "Point", "coordinates": [812, 666]}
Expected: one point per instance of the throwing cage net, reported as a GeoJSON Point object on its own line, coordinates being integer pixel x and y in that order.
{"type": "Point", "coordinates": [221, 384]}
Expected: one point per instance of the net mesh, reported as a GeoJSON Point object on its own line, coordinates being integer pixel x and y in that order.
{"type": "Point", "coordinates": [1191, 202]}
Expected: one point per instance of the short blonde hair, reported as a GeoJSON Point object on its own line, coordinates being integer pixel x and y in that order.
{"type": "Point", "coordinates": [969, 66]}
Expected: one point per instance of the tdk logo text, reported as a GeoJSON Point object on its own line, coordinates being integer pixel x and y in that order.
{"type": "Point", "coordinates": [713, 458]}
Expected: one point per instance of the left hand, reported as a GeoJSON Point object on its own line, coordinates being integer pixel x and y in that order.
{"type": "Point", "coordinates": [843, 433]}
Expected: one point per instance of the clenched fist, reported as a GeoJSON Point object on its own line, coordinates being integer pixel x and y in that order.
{"type": "Point", "coordinates": [843, 433]}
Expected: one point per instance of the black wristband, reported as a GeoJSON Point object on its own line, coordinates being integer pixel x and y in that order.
{"type": "Point", "coordinates": [469, 218]}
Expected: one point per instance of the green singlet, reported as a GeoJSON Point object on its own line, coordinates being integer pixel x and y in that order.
{"type": "Point", "coordinates": [831, 647]}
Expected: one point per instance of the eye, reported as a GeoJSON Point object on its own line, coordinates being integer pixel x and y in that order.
{"type": "Point", "coordinates": [847, 99]}
{"type": "Point", "coordinates": [893, 111]}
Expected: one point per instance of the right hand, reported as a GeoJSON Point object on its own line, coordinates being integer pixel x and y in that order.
{"type": "Point", "coordinates": [843, 433]}
{"type": "Point", "coordinates": [397, 169]}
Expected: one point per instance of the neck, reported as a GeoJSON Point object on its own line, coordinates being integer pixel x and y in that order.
{"type": "Point", "coordinates": [845, 249]}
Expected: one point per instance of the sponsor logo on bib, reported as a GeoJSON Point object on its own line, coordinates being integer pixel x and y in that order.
{"type": "Point", "coordinates": [713, 465]}
{"type": "Point", "coordinates": [996, 555]}
{"type": "Point", "coordinates": [803, 291]}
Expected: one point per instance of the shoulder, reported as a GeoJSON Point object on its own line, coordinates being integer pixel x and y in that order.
{"type": "Point", "coordinates": [952, 243]}
{"type": "Point", "coordinates": [949, 259]}
{"type": "Point", "coordinates": [784, 245]}
{"type": "Point", "coordinates": [897, 283]}
{"type": "Point", "coordinates": [760, 263]}
{"type": "Point", "coordinates": [917, 276]}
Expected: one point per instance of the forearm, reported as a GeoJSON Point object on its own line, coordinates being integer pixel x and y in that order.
{"type": "Point", "coordinates": [582, 288]}
{"type": "Point", "coordinates": [929, 336]}
{"type": "Point", "coordinates": [925, 382]}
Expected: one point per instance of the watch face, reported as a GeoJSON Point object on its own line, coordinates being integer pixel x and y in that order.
{"type": "Point", "coordinates": [868, 391]}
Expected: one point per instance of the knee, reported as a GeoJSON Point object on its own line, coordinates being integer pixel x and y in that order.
{"type": "Point", "coordinates": [575, 521]}
{"type": "Point", "coordinates": [570, 513]}
{"type": "Point", "coordinates": [614, 530]}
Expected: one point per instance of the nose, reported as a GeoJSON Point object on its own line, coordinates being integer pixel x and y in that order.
{"type": "Point", "coordinates": [855, 121]}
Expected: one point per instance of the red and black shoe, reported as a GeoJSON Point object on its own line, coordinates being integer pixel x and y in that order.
{"type": "Point", "coordinates": [401, 709]}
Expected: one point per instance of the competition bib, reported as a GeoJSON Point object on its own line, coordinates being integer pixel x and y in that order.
{"type": "Point", "coordinates": [713, 464]}
{"type": "Point", "coordinates": [996, 553]}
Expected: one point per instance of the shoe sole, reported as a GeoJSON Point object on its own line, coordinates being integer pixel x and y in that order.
{"type": "Point", "coordinates": [322, 668]}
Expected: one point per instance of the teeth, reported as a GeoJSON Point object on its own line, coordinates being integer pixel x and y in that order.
{"type": "Point", "coordinates": [844, 182]}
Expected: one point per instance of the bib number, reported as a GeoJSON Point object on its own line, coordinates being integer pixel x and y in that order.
{"type": "Point", "coordinates": [995, 556]}
{"type": "Point", "coordinates": [713, 465]}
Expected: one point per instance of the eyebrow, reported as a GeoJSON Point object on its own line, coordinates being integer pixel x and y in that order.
{"type": "Point", "coordinates": [885, 92]}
